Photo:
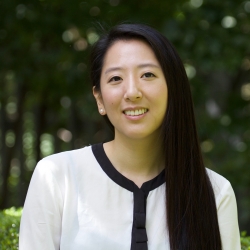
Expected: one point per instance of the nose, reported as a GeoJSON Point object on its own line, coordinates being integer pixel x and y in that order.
{"type": "Point", "coordinates": [132, 90]}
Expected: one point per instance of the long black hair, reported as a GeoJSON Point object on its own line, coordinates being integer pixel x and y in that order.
{"type": "Point", "coordinates": [190, 203]}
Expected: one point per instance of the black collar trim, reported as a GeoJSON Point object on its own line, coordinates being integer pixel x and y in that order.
{"type": "Point", "coordinates": [120, 179]}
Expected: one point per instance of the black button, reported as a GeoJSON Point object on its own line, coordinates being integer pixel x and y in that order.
{"type": "Point", "coordinates": [140, 220]}
{"type": "Point", "coordinates": [141, 235]}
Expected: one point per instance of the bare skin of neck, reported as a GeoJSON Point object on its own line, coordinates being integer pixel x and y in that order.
{"type": "Point", "coordinates": [137, 160]}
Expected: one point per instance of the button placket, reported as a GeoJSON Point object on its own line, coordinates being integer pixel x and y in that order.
{"type": "Point", "coordinates": [139, 226]}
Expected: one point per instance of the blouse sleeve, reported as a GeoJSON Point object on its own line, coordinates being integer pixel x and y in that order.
{"type": "Point", "coordinates": [42, 213]}
{"type": "Point", "coordinates": [228, 219]}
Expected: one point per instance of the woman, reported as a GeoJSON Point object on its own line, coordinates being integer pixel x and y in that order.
{"type": "Point", "coordinates": [148, 187]}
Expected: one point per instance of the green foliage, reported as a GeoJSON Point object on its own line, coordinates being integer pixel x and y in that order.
{"type": "Point", "coordinates": [9, 230]}
{"type": "Point", "coordinates": [245, 241]}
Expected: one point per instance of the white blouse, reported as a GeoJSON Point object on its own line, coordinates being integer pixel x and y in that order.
{"type": "Point", "coordinates": [77, 200]}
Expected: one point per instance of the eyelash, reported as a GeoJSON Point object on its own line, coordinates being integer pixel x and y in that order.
{"type": "Point", "coordinates": [115, 79]}
{"type": "Point", "coordinates": [148, 73]}
{"type": "Point", "coordinates": [118, 78]}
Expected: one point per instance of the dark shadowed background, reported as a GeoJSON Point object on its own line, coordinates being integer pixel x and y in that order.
{"type": "Point", "coordinates": [46, 103]}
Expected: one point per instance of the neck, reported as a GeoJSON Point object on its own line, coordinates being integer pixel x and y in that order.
{"type": "Point", "coordinates": [138, 160]}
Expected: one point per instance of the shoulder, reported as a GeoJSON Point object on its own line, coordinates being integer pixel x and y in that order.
{"type": "Point", "coordinates": [217, 180]}
{"type": "Point", "coordinates": [221, 186]}
{"type": "Point", "coordinates": [70, 156]}
{"type": "Point", "coordinates": [65, 161]}
{"type": "Point", "coordinates": [226, 210]}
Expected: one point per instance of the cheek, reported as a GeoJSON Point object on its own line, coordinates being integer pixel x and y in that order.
{"type": "Point", "coordinates": [161, 93]}
{"type": "Point", "coordinates": [111, 97]}
{"type": "Point", "coordinates": [162, 99]}
{"type": "Point", "coordinates": [109, 101]}
{"type": "Point", "coordinates": [164, 92]}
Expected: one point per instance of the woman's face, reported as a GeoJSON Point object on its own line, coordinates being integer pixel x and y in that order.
{"type": "Point", "coordinates": [133, 90]}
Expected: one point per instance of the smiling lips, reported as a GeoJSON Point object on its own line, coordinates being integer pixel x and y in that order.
{"type": "Point", "coordinates": [135, 112]}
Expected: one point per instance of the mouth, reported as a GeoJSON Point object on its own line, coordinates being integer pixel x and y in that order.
{"type": "Point", "coordinates": [135, 112]}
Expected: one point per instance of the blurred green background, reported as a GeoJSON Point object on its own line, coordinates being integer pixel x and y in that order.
{"type": "Point", "coordinates": [46, 104]}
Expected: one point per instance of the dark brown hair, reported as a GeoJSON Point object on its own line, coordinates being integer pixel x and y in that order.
{"type": "Point", "coordinates": [190, 203]}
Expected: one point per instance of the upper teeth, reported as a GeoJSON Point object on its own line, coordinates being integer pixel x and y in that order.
{"type": "Point", "coordinates": [135, 112]}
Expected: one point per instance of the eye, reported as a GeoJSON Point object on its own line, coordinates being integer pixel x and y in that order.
{"type": "Point", "coordinates": [148, 75]}
{"type": "Point", "coordinates": [115, 79]}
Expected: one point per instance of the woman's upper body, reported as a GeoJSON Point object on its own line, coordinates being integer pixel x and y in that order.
{"type": "Point", "coordinates": [81, 200]}
{"type": "Point", "coordinates": [78, 200]}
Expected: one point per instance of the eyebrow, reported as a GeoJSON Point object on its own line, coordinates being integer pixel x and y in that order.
{"type": "Point", "coordinates": [144, 65]}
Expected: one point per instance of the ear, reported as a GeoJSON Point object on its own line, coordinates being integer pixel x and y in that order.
{"type": "Point", "coordinates": [99, 101]}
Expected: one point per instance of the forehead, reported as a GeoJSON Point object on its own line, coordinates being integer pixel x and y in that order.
{"type": "Point", "coordinates": [127, 50]}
